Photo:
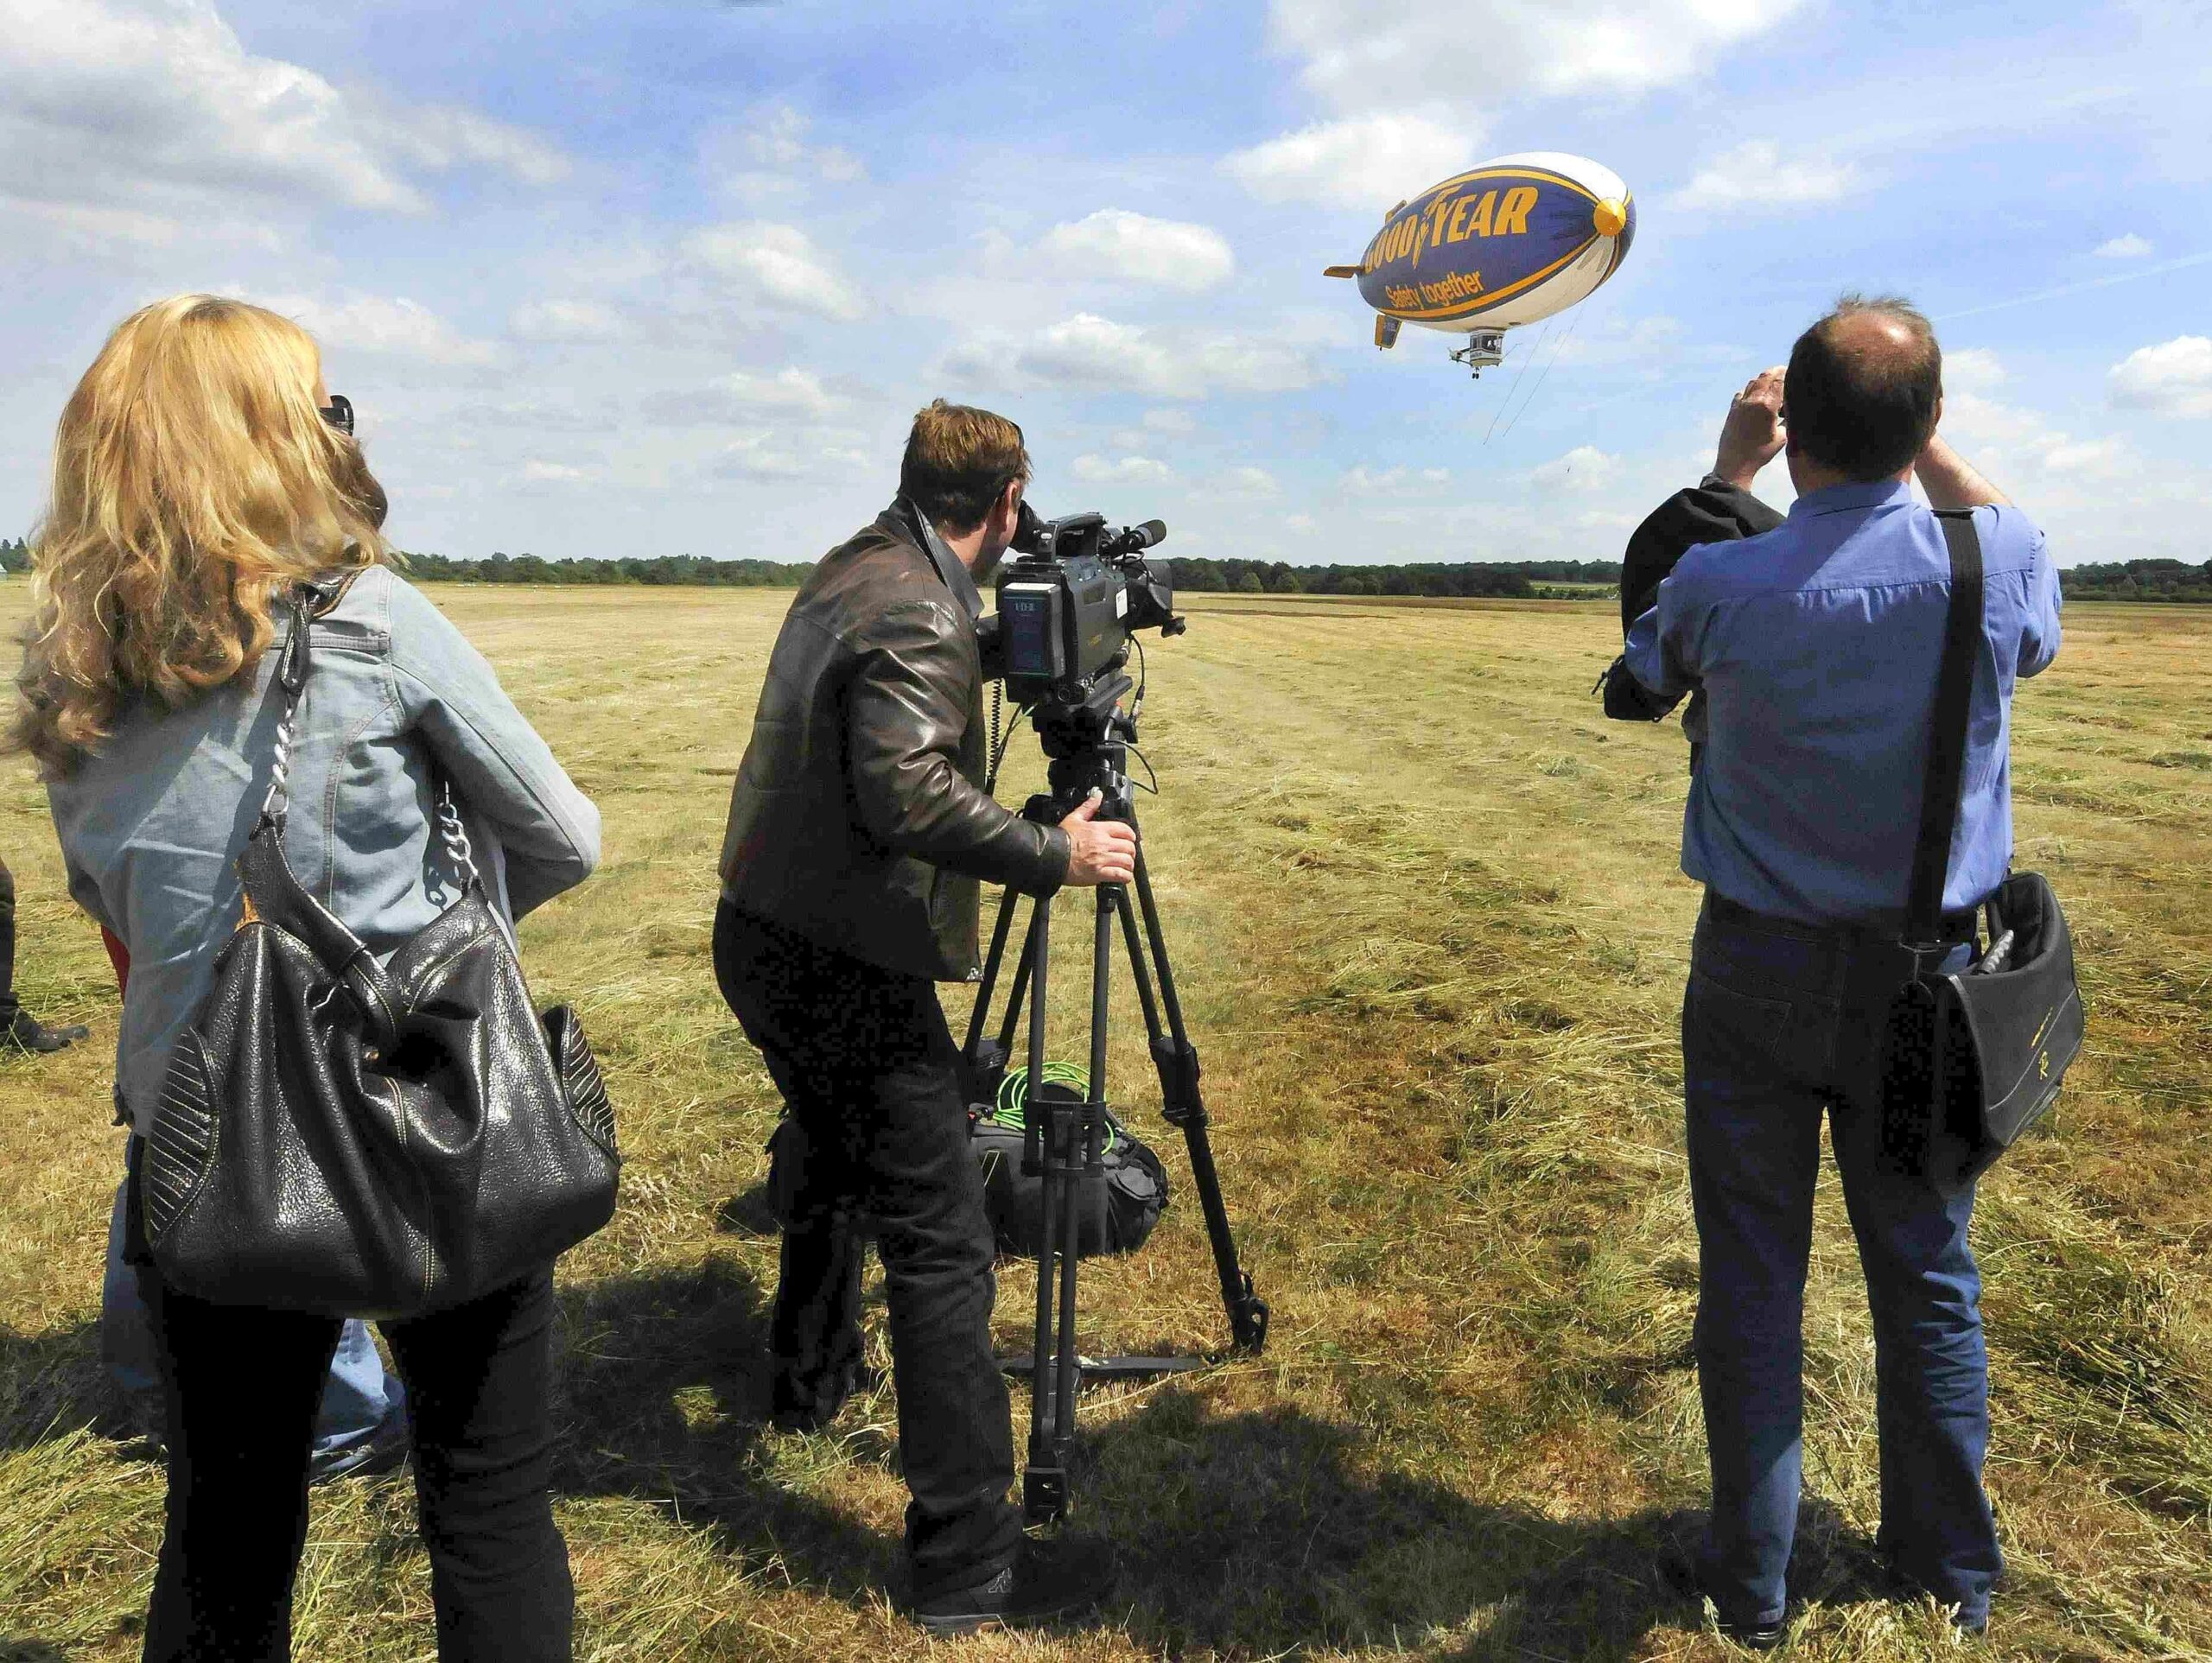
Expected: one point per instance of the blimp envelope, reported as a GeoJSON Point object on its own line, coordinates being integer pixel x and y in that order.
{"type": "Point", "coordinates": [1508, 242]}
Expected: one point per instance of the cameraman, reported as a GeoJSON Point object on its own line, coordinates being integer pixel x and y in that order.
{"type": "Point", "coordinates": [858, 831]}
{"type": "Point", "coordinates": [1815, 640]}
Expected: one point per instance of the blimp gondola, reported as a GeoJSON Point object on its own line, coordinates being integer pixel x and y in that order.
{"type": "Point", "coordinates": [1509, 242]}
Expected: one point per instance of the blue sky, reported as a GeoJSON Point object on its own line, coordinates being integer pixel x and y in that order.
{"type": "Point", "coordinates": [643, 279]}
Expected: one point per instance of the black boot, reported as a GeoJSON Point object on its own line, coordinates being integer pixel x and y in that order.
{"type": "Point", "coordinates": [1059, 1578]}
{"type": "Point", "coordinates": [28, 1033]}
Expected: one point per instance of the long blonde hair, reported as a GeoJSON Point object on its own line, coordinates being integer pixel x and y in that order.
{"type": "Point", "coordinates": [193, 475]}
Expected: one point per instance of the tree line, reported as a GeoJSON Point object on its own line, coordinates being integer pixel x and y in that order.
{"type": "Point", "coordinates": [2164, 580]}
{"type": "Point", "coordinates": [2139, 579]}
{"type": "Point", "coordinates": [1198, 576]}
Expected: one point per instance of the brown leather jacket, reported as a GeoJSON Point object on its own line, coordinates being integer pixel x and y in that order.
{"type": "Point", "coordinates": [859, 818]}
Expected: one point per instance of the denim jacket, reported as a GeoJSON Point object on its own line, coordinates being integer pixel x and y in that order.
{"type": "Point", "coordinates": [152, 824]}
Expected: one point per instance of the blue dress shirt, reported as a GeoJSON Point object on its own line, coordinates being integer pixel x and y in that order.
{"type": "Point", "coordinates": [1816, 644]}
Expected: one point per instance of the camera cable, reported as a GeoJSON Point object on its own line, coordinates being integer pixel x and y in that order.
{"type": "Point", "coordinates": [1000, 740]}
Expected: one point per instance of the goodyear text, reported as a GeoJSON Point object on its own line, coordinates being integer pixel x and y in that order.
{"type": "Point", "coordinates": [1451, 218]}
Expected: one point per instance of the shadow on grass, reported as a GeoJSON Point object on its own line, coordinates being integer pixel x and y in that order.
{"type": "Point", "coordinates": [1277, 1535]}
{"type": "Point", "coordinates": [51, 1383]}
{"type": "Point", "coordinates": [29, 1651]}
{"type": "Point", "coordinates": [1273, 1533]}
{"type": "Point", "coordinates": [666, 1386]}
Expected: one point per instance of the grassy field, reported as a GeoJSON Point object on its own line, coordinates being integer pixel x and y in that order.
{"type": "Point", "coordinates": [1432, 937]}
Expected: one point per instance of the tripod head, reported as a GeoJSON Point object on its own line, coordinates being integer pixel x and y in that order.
{"type": "Point", "coordinates": [1086, 742]}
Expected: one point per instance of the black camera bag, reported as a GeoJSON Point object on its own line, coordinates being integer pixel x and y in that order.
{"type": "Point", "coordinates": [1972, 1058]}
{"type": "Point", "coordinates": [1120, 1203]}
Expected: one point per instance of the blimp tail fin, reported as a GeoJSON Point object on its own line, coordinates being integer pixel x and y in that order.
{"type": "Point", "coordinates": [1386, 332]}
{"type": "Point", "coordinates": [1340, 271]}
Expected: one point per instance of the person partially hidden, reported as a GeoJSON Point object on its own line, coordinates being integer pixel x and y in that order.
{"type": "Point", "coordinates": [19, 1030]}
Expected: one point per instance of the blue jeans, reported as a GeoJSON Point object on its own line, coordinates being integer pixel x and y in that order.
{"type": "Point", "coordinates": [1781, 1022]}
{"type": "Point", "coordinates": [359, 1397]}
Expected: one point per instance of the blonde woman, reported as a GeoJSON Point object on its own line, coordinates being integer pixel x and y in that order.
{"type": "Point", "coordinates": [201, 473]}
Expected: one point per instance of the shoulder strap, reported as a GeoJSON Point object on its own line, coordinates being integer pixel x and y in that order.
{"type": "Point", "coordinates": [271, 889]}
{"type": "Point", "coordinates": [1941, 785]}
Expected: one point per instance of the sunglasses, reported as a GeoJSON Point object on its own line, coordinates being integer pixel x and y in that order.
{"type": "Point", "coordinates": [338, 412]}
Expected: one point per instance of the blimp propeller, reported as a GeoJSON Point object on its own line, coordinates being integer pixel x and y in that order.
{"type": "Point", "coordinates": [1511, 242]}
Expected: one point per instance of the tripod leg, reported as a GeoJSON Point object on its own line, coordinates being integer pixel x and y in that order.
{"type": "Point", "coordinates": [980, 1016]}
{"type": "Point", "coordinates": [1044, 1485]}
{"type": "Point", "coordinates": [1177, 1061]}
{"type": "Point", "coordinates": [1021, 979]}
{"type": "Point", "coordinates": [1080, 1155]}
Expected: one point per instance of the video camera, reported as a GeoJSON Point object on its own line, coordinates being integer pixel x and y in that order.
{"type": "Point", "coordinates": [1069, 600]}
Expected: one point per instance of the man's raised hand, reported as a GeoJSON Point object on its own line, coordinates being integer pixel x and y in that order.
{"type": "Point", "coordinates": [1752, 435]}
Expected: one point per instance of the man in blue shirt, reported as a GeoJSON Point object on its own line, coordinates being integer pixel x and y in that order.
{"type": "Point", "coordinates": [1815, 645]}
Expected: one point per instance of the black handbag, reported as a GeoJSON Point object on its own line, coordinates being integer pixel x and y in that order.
{"type": "Point", "coordinates": [351, 1139]}
{"type": "Point", "coordinates": [1973, 1058]}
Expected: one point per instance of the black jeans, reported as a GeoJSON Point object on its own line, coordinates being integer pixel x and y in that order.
{"type": "Point", "coordinates": [866, 1063]}
{"type": "Point", "coordinates": [7, 946]}
{"type": "Point", "coordinates": [242, 1388]}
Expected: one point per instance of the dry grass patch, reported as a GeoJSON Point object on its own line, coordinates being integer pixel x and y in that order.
{"type": "Point", "coordinates": [1426, 917]}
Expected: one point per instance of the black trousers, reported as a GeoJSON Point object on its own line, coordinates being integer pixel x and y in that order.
{"type": "Point", "coordinates": [871, 1074]}
{"type": "Point", "coordinates": [7, 1002]}
{"type": "Point", "coordinates": [242, 1386]}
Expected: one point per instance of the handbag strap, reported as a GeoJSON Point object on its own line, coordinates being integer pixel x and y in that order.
{"type": "Point", "coordinates": [274, 891]}
{"type": "Point", "coordinates": [1944, 781]}
{"type": "Point", "coordinates": [292, 678]}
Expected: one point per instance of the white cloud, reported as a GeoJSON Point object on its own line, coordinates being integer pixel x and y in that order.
{"type": "Point", "coordinates": [1167, 253]}
{"type": "Point", "coordinates": [80, 225]}
{"type": "Point", "coordinates": [441, 138]}
{"type": "Point", "coordinates": [565, 321]}
{"type": "Point", "coordinates": [1123, 470]}
{"type": "Point", "coordinates": [155, 108]}
{"type": "Point", "coordinates": [2127, 246]}
{"type": "Point", "coordinates": [1365, 481]}
{"type": "Point", "coordinates": [1093, 351]}
{"type": "Point", "coordinates": [2013, 442]}
{"type": "Point", "coordinates": [741, 395]}
{"type": "Point", "coordinates": [768, 156]}
{"type": "Point", "coordinates": [1359, 53]}
{"type": "Point", "coordinates": [387, 326]}
{"type": "Point", "coordinates": [1583, 470]}
{"type": "Point", "coordinates": [1435, 71]}
{"type": "Point", "coordinates": [790, 388]}
{"type": "Point", "coordinates": [1367, 162]}
{"type": "Point", "coordinates": [775, 455]}
{"type": "Point", "coordinates": [1971, 370]}
{"type": "Point", "coordinates": [1756, 176]}
{"type": "Point", "coordinates": [2173, 378]}
{"type": "Point", "coordinates": [538, 471]}
{"type": "Point", "coordinates": [778, 264]}
{"type": "Point", "coordinates": [1178, 424]}
{"type": "Point", "coordinates": [1249, 482]}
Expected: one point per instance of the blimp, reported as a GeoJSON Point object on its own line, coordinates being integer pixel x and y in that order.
{"type": "Point", "coordinates": [1509, 242]}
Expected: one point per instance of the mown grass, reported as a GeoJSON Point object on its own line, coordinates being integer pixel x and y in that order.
{"type": "Point", "coordinates": [1428, 920]}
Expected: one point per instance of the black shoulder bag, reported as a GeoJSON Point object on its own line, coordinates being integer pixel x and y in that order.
{"type": "Point", "coordinates": [351, 1139]}
{"type": "Point", "coordinates": [1975, 1057]}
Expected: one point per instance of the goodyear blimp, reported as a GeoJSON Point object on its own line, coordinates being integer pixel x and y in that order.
{"type": "Point", "coordinates": [1509, 242]}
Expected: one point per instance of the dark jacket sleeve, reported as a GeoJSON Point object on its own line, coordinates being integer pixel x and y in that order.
{"type": "Point", "coordinates": [1708, 511]}
{"type": "Point", "coordinates": [907, 709]}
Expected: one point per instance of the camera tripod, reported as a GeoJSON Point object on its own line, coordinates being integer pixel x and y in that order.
{"type": "Point", "coordinates": [1064, 1136]}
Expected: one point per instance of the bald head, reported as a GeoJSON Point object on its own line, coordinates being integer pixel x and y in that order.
{"type": "Point", "coordinates": [1864, 388]}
